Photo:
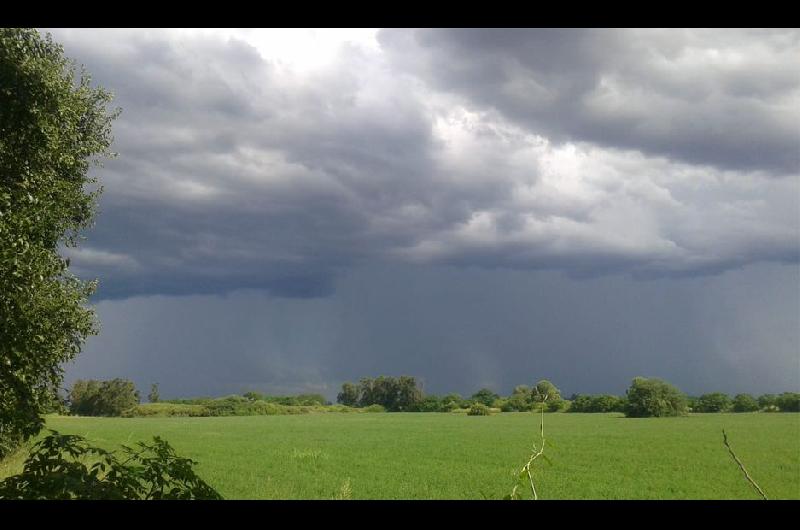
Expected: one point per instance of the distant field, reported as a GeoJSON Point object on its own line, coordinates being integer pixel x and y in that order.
{"type": "Point", "coordinates": [454, 456]}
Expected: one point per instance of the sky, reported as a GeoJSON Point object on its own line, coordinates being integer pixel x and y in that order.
{"type": "Point", "coordinates": [291, 209]}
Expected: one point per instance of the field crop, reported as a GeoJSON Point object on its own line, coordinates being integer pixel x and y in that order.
{"type": "Point", "coordinates": [455, 456]}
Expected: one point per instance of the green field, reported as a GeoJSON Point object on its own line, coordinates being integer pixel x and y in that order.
{"type": "Point", "coordinates": [454, 456]}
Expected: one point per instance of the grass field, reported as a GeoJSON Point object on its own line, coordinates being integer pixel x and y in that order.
{"type": "Point", "coordinates": [454, 456]}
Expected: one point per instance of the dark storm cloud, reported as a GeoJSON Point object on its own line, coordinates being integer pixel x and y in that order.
{"type": "Point", "coordinates": [729, 98]}
{"type": "Point", "coordinates": [238, 173]}
{"type": "Point", "coordinates": [460, 329]}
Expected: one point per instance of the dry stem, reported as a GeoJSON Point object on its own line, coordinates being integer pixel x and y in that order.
{"type": "Point", "coordinates": [536, 454]}
{"type": "Point", "coordinates": [741, 466]}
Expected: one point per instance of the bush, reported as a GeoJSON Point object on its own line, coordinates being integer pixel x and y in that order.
{"type": "Point", "coordinates": [166, 410]}
{"type": "Point", "coordinates": [449, 406]}
{"type": "Point", "coordinates": [55, 469]}
{"type": "Point", "coordinates": [654, 398]}
{"type": "Point", "coordinates": [479, 409]}
{"type": "Point", "coordinates": [375, 408]}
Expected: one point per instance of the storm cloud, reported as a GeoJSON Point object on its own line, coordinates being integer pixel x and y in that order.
{"type": "Point", "coordinates": [236, 171]}
{"type": "Point", "coordinates": [577, 158]}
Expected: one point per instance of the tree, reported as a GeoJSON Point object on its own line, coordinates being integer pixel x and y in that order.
{"type": "Point", "coordinates": [53, 127]}
{"type": "Point", "coordinates": [789, 402]}
{"type": "Point", "coordinates": [103, 398]}
{"type": "Point", "coordinates": [767, 400]}
{"type": "Point", "coordinates": [452, 401]}
{"type": "Point", "coordinates": [484, 396]}
{"type": "Point", "coordinates": [408, 393]}
{"type": "Point", "coordinates": [714, 402]}
{"type": "Point", "coordinates": [153, 396]}
{"type": "Point", "coordinates": [366, 394]}
{"type": "Point", "coordinates": [744, 403]}
{"type": "Point", "coordinates": [545, 388]}
{"type": "Point", "coordinates": [521, 399]}
{"type": "Point", "coordinates": [654, 397]}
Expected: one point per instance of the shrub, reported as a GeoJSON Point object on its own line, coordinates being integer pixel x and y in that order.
{"type": "Point", "coordinates": [375, 408]}
{"type": "Point", "coordinates": [166, 410]}
{"type": "Point", "coordinates": [479, 409]}
{"type": "Point", "coordinates": [449, 406]}
{"type": "Point", "coordinates": [55, 469]}
{"type": "Point", "coordinates": [654, 397]}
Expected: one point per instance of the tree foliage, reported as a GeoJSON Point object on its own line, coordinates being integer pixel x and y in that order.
{"type": "Point", "coordinates": [102, 398]}
{"type": "Point", "coordinates": [153, 396]}
{"type": "Point", "coordinates": [349, 395]}
{"type": "Point", "coordinates": [478, 409]}
{"type": "Point", "coordinates": [654, 397]}
{"type": "Point", "coordinates": [744, 403]}
{"type": "Point", "coordinates": [484, 396]}
{"type": "Point", "coordinates": [53, 127]}
{"type": "Point", "coordinates": [713, 402]}
{"type": "Point", "coordinates": [57, 468]}
{"type": "Point", "coordinates": [545, 389]}
{"type": "Point", "coordinates": [598, 403]}
{"type": "Point", "coordinates": [789, 402]}
{"type": "Point", "coordinates": [394, 394]}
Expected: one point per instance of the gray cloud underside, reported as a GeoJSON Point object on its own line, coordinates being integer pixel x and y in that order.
{"type": "Point", "coordinates": [728, 98]}
{"type": "Point", "coordinates": [459, 330]}
{"type": "Point", "coordinates": [591, 153]}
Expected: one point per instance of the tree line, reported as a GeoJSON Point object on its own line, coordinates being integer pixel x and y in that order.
{"type": "Point", "coordinates": [644, 398]}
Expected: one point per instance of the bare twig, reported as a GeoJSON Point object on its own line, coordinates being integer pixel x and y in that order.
{"type": "Point", "coordinates": [741, 466]}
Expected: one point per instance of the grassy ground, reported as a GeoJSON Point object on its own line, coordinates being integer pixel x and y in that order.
{"type": "Point", "coordinates": [454, 456]}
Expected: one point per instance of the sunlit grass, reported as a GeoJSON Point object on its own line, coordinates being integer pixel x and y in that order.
{"type": "Point", "coordinates": [455, 456]}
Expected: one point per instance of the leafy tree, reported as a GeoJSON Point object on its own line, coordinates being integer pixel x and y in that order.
{"type": "Point", "coordinates": [744, 403]}
{"type": "Point", "coordinates": [366, 393]}
{"type": "Point", "coordinates": [53, 127]}
{"type": "Point", "coordinates": [153, 396]}
{"type": "Point", "coordinates": [401, 394]}
{"type": "Point", "coordinates": [103, 398]}
{"type": "Point", "coordinates": [714, 402]}
{"type": "Point", "coordinates": [767, 400]}
{"type": "Point", "coordinates": [789, 402]}
{"type": "Point", "coordinates": [408, 393]}
{"type": "Point", "coordinates": [545, 388]}
{"type": "Point", "coordinates": [454, 401]}
{"type": "Point", "coordinates": [484, 396]}
{"type": "Point", "coordinates": [57, 469]}
{"type": "Point", "coordinates": [429, 403]}
{"type": "Point", "coordinates": [654, 397]}
{"type": "Point", "coordinates": [521, 399]}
